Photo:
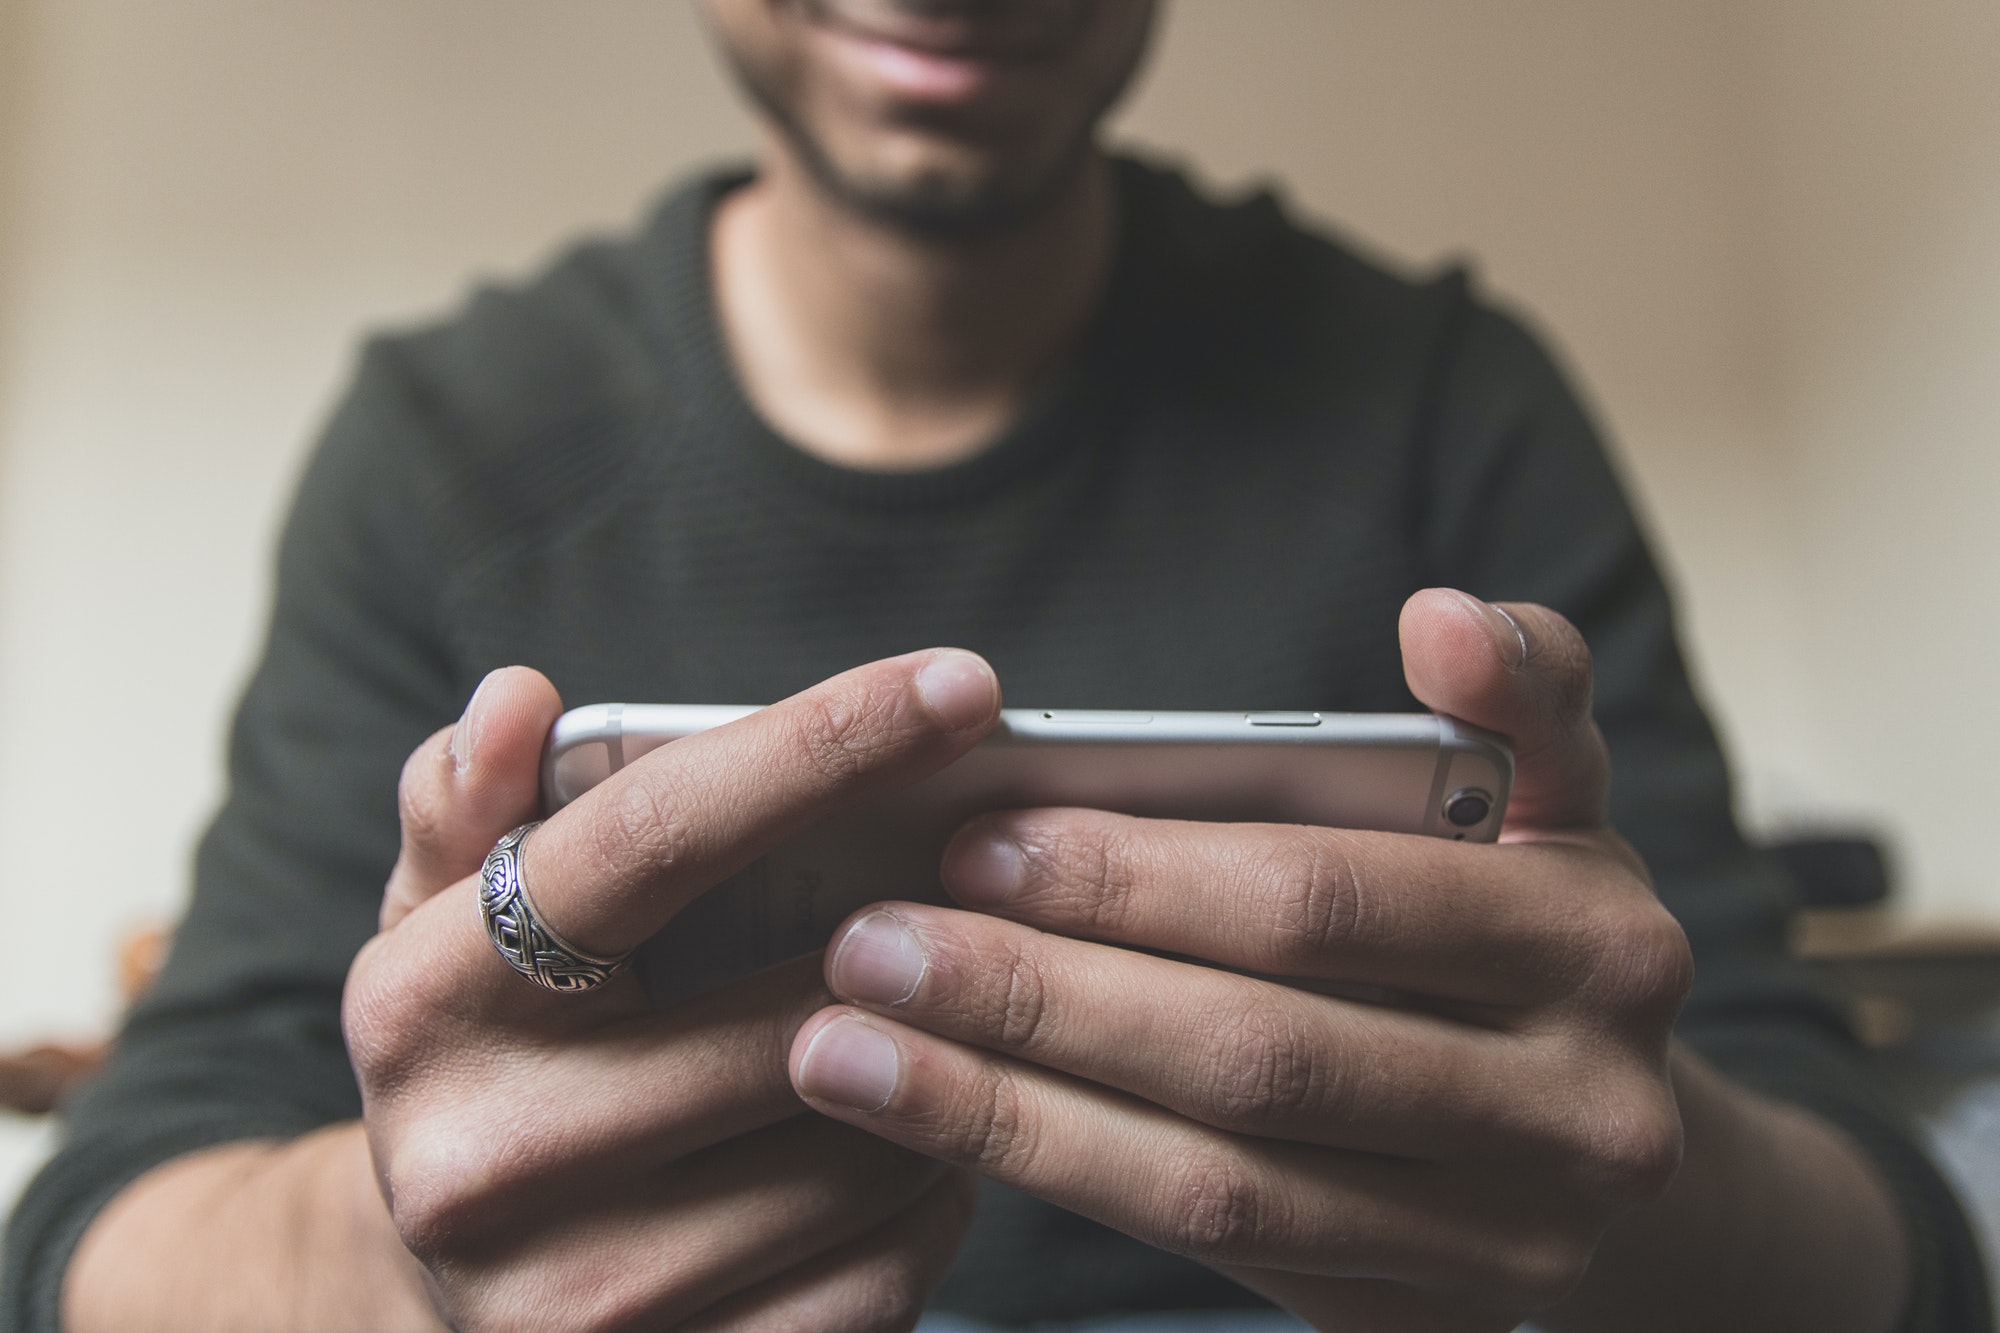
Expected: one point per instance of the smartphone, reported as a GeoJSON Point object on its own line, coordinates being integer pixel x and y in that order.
{"type": "Point", "coordinates": [1418, 773]}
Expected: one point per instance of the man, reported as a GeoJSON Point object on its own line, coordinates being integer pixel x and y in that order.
{"type": "Point", "coordinates": [941, 372]}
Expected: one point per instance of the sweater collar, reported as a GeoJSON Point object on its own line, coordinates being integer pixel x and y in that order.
{"type": "Point", "coordinates": [1066, 413]}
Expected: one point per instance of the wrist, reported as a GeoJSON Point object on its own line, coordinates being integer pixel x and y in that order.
{"type": "Point", "coordinates": [1776, 1221]}
{"type": "Point", "coordinates": [250, 1236]}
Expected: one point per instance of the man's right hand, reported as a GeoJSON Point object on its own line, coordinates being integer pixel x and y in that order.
{"type": "Point", "coordinates": [587, 1161]}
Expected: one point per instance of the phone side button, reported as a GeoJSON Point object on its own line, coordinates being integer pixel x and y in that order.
{"type": "Point", "coordinates": [1282, 719]}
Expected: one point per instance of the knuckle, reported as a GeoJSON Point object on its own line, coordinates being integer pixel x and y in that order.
{"type": "Point", "coordinates": [1218, 1211]}
{"type": "Point", "coordinates": [843, 733]}
{"type": "Point", "coordinates": [1644, 965]}
{"type": "Point", "coordinates": [1539, 1271]}
{"type": "Point", "coordinates": [375, 1044]}
{"type": "Point", "coordinates": [1632, 1150]}
{"type": "Point", "coordinates": [420, 806]}
{"type": "Point", "coordinates": [469, 1307]}
{"type": "Point", "coordinates": [382, 1018]}
{"type": "Point", "coordinates": [1018, 1020]}
{"type": "Point", "coordinates": [1666, 972]}
{"type": "Point", "coordinates": [1256, 1069]}
{"type": "Point", "coordinates": [1318, 899]}
{"type": "Point", "coordinates": [616, 1294]}
{"type": "Point", "coordinates": [888, 1296]}
{"type": "Point", "coordinates": [591, 1291]}
{"type": "Point", "coordinates": [439, 1200]}
{"type": "Point", "coordinates": [1091, 861]}
{"type": "Point", "coordinates": [994, 1137]}
{"type": "Point", "coordinates": [647, 825]}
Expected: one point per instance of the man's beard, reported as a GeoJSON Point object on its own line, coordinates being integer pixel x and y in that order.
{"type": "Point", "coordinates": [940, 206]}
{"type": "Point", "coordinates": [945, 204]}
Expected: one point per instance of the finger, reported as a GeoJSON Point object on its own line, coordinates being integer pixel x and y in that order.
{"type": "Point", "coordinates": [617, 864]}
{"type": "Point", "coordinates": [877, 1283]}
{"type": "Point", "coordinates": [652, 1248]}
{"type": "Point", "coordinates": [469, 784]}
{"type": "Point", "coordinates": [1488, 925]}
{"type": "Point", "coordinates": [1523, 671]}
{"type": "Point", "coordinates": [1177, 1185]}
{"type": "Point", "coordinates": [1235, 1052]}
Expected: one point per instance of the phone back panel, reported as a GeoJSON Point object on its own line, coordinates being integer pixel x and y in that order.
{"type": "Point", "coordinates": [1390, 772]}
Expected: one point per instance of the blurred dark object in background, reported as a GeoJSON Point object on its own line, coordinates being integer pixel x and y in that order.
{"type": "Point", "coordinates": [39, 1079]}
{"type": "Point", "coordinates": [1845, 871]}
{"type": "Point", "coordinates": [1909, 983]}
{"type": "Point", "coordinates": [35, 1081]}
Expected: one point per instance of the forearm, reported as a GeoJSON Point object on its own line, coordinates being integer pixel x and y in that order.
{"type": "Point", "coordinates": [1775, 1222]}
{"type": "Point", "coordinates": [255, 1237]}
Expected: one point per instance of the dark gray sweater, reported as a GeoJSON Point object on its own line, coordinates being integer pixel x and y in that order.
{"type": "Point", "coordinates": [1264, 445]}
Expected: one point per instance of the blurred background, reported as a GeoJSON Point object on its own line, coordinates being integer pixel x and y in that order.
{"type": "Point", "coordinates": [1766, 234]}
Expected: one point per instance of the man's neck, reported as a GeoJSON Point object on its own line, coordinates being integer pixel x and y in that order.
{"type": "Point", "coordinates": [878, 348]}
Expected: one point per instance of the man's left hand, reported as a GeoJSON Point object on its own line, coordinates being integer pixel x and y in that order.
{"type": "Point", "coordinates": [1420, 1079]}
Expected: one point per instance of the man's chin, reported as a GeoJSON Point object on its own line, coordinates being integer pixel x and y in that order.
{"type": "Point", "coordinates": [937, 207]}
{"type": "Point", "coordinates": [951, 198]}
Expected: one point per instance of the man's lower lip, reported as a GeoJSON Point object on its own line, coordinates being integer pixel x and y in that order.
{"type": "Point", "coordinates": [916, 74]}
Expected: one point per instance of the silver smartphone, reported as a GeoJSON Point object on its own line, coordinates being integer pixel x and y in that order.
{"type": "Point", "coordinates": [1418, 773]}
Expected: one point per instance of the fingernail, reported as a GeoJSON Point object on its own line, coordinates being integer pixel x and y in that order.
{"type": "Point", "coordinates": [463, 735]}
{"type": "Point", "coordinates": [958, 688]}
{"type": "Point", "coordinates": [1509, 640]}
{"type": "Point", "coordinates": [851, 1064]}
{"type": "Point", "coordinates": [1515, 646]}
{"type": "Point", "coordinates": [878, 961]}
{"type": "Point", "coordinates": [983, 868]}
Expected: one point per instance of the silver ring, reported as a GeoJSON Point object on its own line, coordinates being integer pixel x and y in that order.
{"type": "Point", "coordinates": [522, 937]}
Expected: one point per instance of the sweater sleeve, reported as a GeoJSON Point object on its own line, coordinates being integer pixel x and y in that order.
{"type": "Point", "coordinates": [241, 1038]}
{"type": "Point", "coordinates": [1521, 504]}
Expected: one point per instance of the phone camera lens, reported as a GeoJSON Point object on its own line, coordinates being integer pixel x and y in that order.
{"type": "Point", "coordinates": [1468, 807]}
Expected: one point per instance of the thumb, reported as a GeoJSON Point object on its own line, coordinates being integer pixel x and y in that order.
{"type": "Point", "coordinates": [1523, 671]}
{"type": "Point", "coordinates": [469, 784]}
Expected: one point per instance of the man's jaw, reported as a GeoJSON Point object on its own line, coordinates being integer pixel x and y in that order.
{"type": "Point", "coordinates": [954, 79]}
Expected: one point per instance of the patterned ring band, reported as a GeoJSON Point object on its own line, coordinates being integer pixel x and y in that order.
{"type": "Point", "coordinates": [523, 939]}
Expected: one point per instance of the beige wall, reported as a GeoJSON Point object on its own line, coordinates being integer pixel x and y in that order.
{"type": "Point", "coordinates": [1881, 192]}
{"type": "Point", "coordinates": [1766, 231]}
{"type": "Point", "coordinates": [217, 195]}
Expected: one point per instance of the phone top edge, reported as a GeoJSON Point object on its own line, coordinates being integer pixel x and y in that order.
{"type": "Point", "coordinates": [1080, 726]}
{"type": "Point", "coordinates": [611, 721]}
{"type": "Point", "coordinates": [586, 723]}
{"type": "Point", "coordinates": [683, 719]}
